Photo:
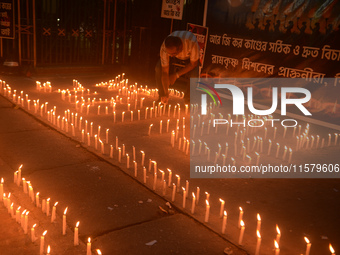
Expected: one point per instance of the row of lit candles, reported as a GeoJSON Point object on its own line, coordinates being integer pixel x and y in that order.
{"type": "Point", "coordinates": [187, 189]}
{"type": "Point", "coordinates": [22, 217]}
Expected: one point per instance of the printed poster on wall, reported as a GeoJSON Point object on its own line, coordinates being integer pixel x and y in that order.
{"type": "Point", "coordinates": [172, 9]}
{"type": "Point", "coordinates": [201, 34]}
{"type": "Point", "coordinates": [7, 19]}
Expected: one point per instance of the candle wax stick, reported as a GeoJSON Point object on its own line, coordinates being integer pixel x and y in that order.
{"type": "Point", "coordinates": [224, 222]}
{"type": "Point", "coordinates": [173, 192]}
{"type": "Point", "coordinates": [76, 235]}
{"type": "Point", "coordinates": [241, 233]}
{"type": "Point", "coordinates": [193, 203]}
{"type": "Point", "coordinates": [184, 197]}
{"type": "Point", "coordinates": [207, 211]}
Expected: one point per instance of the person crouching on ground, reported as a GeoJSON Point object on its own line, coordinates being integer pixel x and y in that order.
{"type": "Point", "coordinates": [179, 56]}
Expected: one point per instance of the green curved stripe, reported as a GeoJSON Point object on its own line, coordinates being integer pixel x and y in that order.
{"type": "Point", "coordinates": [206, 91]}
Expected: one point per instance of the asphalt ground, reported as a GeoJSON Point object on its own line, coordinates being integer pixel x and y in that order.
{"type": "Point", "coordinates": [92, 185]}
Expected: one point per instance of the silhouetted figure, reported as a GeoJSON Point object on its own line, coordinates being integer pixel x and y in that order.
{"type": "Point", "coordinates": [303, 28]}
{"type": "Point", "coordinates": [315, 29]}
{"type": "Point", "coordinates": [329, 29]}
{"type": "Point", "coordinates": [267, 26]}
{"type": "Point", "coordinates": [277, 27]}
{"type": "Point", "coordinates": [289, 28]}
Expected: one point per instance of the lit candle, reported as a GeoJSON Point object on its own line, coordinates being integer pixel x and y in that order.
{"type": "Point", "coordinates": [257, 158]}
{"type": "Point", "coordinates": [240, 217]}
{"type": "Point", "coordinates": [154, 180]}
{"type": "Point", "coordinates": [48, 249]}
{"type": "Point", "coordinates": [331, 249]}
{"type": "Point", "coordinates": [224, 222]}
{"type": "Point", "coordinates": [278, 235]}
{"type": "Point", "coordinates": [178, 181]}
{"type": "Point", "coordinates": [197, 194]}
{"type": "Point", "coordinates": [19, 175]}
{"type": "Point", "coordinates": [222, 207]}
{"type": "Point", "coordinates": [26, 222]}
{"type": "Point", "coordinates": [184, 197]}
{"type": "Point", "coordinates": [336, 139]}
{"type": "Point", "coordinates": [33, 238]}
{"type": "Point", "coordinates": [270, 146]}
{"type": "Point", "coordinates": [53, 217]}
{"type": "Point", "coordinates": [277, 248]}
{"type": "Point", "coordinates": [290, 155]}
{"type": "Point", "coordinates": [258, 227]}
{"type": "Point", "coordinates": [99, 252]}
{"type": "Point", "coordinates": [240, 239]}
{"type": "Point", "coordinates": [170, 177]}
{"type": "Point", "coordinates": [308, 246]}
{"type": "Point", "coordinates": [187, 187]}
{"type": "Point", "coordinates": [173, 192]}
{"type": "Point", "coordinates": [207, 211]}
{"type": "Point", "coordinates": [48, 207]}
{"type": "Point", "coordinates": [64, 221]}
{"type": "Point", "coordinates": [127, 161]}
{"type": "Point", "coordinates": [76, 235]}
{"type": "Point", "coordinates": [277, 150]}
{"type": "Point", "coordinates": [258, 243]}
{"type": "Point", "coordinates": [135, 167]}
{"type": "Point", "coordinates": [42, 243]}
{"type": "Point", "coordinates": [17, 214]}
{"type": "Point", "coordinates": [1, 188]}
{"type": "Point", "coordinates": [193, 203]}
{"type": "Point", "coordinates": [88, 247]}
{"type": "Point", "coordinates": [329, 139]}
{"type": "Point", "coordinates": [107, 136]}
{"type": "Point", "coordinates": [37, 201]}
{"type": "Point", "coordinates": [150, 129]}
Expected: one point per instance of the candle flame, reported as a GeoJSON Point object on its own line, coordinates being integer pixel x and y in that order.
{"type": "Point", "coordinates": [9, 195]}
{"type": "Point", "coordinates": [221, 200]}
{"type": "Point", "coordinates": [306, 240]}
{"type": "Point", "coordinates": [169, 170]}
{"type": "Point", "coordinates": [89, 240]}
{"type": "Point", "coordinates": [38, 193]}
{"type": "Point", "coordinates": [34, 226]}
{"type": "Point", "coordinates": [177, 175]}
{"type": "Point", "coordinates": [48, 199]}
{"type": "Point", "coordinates": [77, 225]}
{"type": "Point", "coordinates": [331, 249]}
{"type": "Point", "coordinates": [242, 223]}
{"type": "Point", "coordinates": [18, 208]}
{"type": "Point", "coordinates": [12, 204]}
{"type": "Point", "coordinates": [20, 167]}
{"type": "Point", "coordinates": [56, 203]}
{"type": "Point", "coordinates": [258, 234]}
{"type": "Point", "coordinates": [27, 213]}
{"type": "Point", "coordinates": [99, 252]}
{"type": "Point", "coordinates": [240, 208]}
{"type": "Point", "coordinates": [258, 217]}
{"type": "Point", "coordinates": [207, 202]}
{"type": "Point", "coordinates": [65, 211]}
{"type": "Point", "coordinates": [48, 249]}
{"type": "Point", "coordinates": [24, 212]}
{"type": "Point", "coordinates": [193, 195]}
{"type": "Point", "coordinates": [276, 244]}
{"type": "Point", "coordinates": [2, 180]}
{"type": "Point", "coordinates": [278, 230]}
{"type": "Point", "coordinates": [44, 233]}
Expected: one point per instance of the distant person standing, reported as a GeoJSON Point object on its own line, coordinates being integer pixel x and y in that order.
{"type": "Point", "coordinates": [179, 56]}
